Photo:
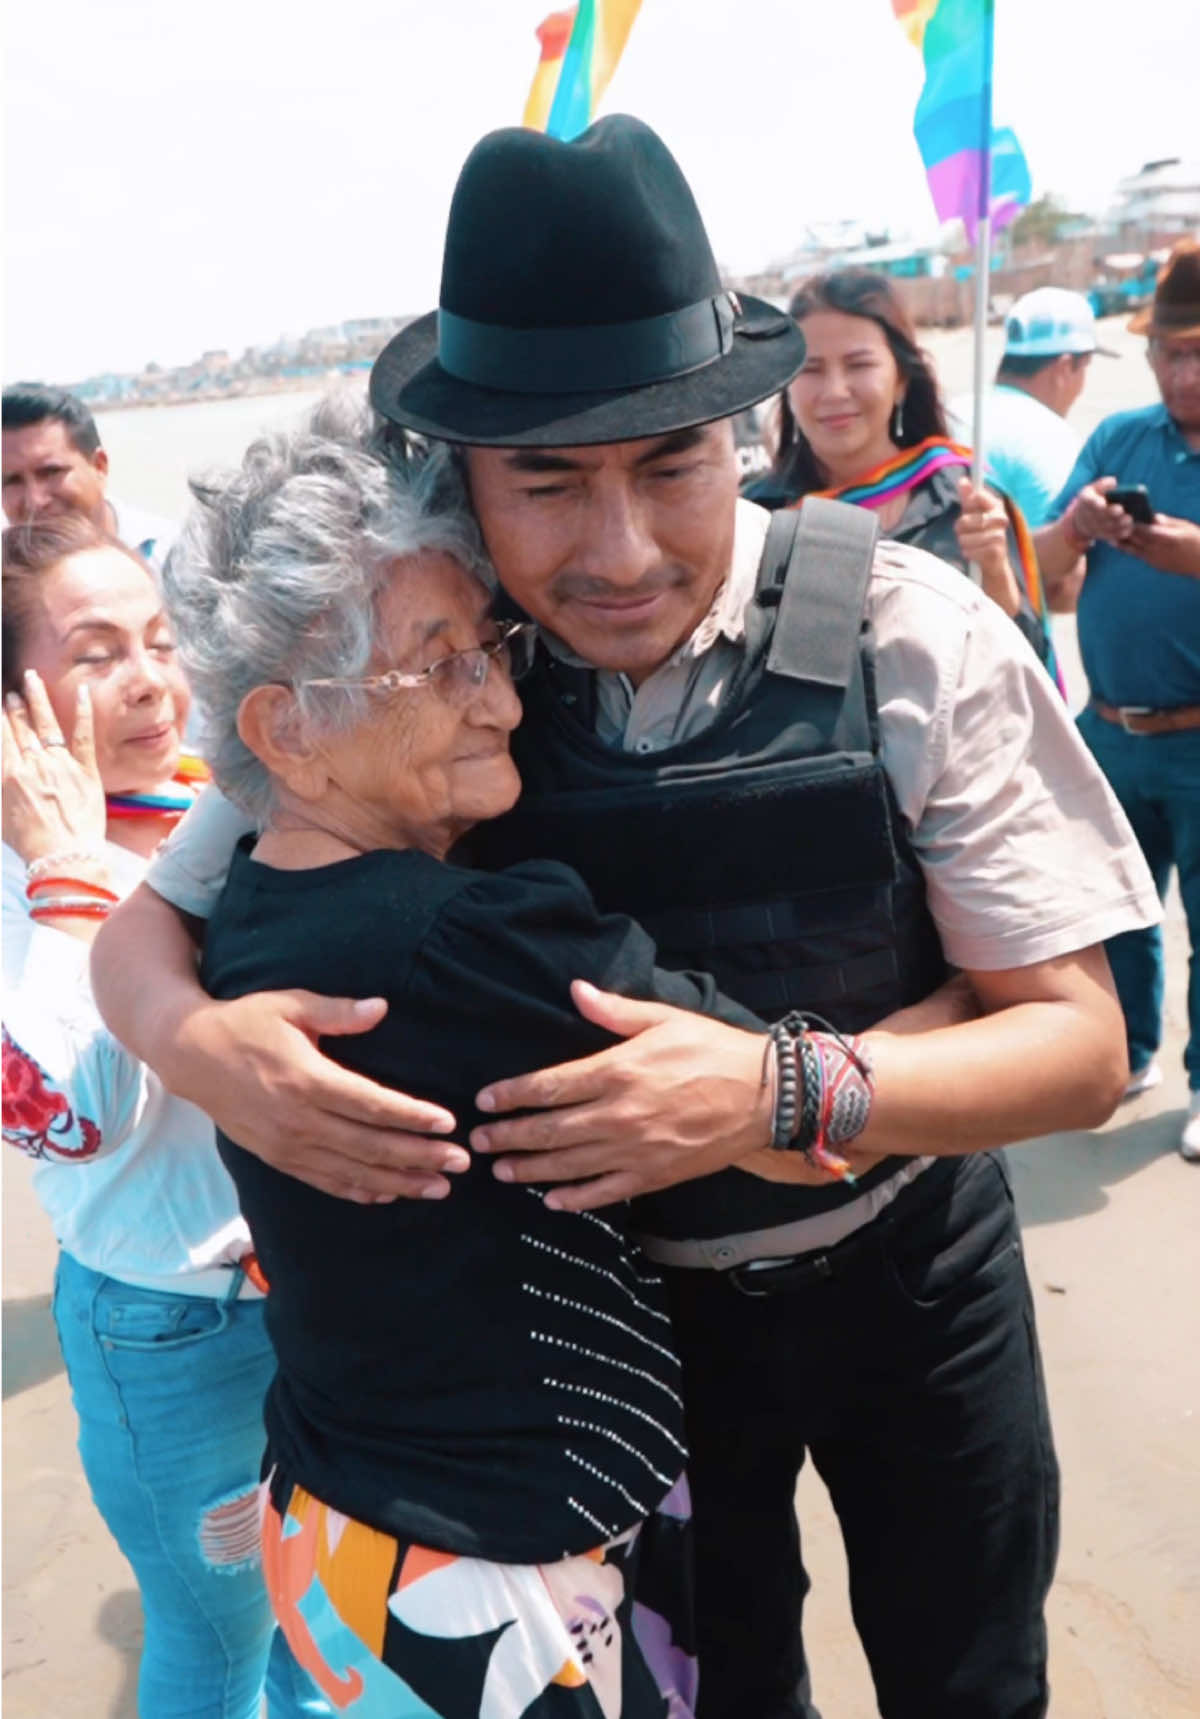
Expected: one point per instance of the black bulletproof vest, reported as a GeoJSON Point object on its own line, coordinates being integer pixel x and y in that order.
{"type": "Point", "coordinates": [768, 849]}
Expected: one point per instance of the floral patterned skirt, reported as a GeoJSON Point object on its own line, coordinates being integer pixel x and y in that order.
{"type": "Point", "coordinates": [388, 1629]}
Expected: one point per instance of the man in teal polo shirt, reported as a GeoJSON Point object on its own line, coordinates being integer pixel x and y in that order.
{"type": "Point", "coordinates": [1139, 636]}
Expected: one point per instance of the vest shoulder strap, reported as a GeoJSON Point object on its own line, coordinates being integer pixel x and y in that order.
{"type": "Point", "coordinates": [821, 556]}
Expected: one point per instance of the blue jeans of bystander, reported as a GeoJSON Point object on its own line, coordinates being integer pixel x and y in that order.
{"type": "Point", "coordinates": [1157, 780]}
{"type": "Point", "coordinates": [169, 1392]}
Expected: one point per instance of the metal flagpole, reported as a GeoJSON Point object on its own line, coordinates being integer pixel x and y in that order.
{"type": "Point", "coordinates": [983, 252]}
{"type": "Point", "coordinates": [983, 236]}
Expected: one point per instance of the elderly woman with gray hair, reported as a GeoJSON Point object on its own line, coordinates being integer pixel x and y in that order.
{"type": "Point", "coordinates": [475, 1495]}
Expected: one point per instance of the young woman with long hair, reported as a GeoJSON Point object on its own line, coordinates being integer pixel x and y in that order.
{"type": "Point", "coordinates": [863, 422]}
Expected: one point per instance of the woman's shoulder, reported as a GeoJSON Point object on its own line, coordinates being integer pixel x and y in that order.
{"type": "Point", "coordinates": [417, 878]}
{"type": "Point", "coordinates": [536, 886]}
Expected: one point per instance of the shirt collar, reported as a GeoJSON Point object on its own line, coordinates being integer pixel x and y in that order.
{"type": "Point", "coordinates": [726, 617]}
{"type": "Point", "coordinates": [1176, 440]}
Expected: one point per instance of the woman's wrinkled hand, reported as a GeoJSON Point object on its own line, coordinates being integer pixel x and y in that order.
{"type": "Point", "coordinates": [53, 795]}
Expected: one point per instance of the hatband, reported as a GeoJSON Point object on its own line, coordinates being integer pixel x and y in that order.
{"type": "Point", "coordinates": [579, 360]}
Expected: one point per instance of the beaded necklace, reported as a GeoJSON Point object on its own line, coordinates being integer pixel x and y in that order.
{"type": "Point", "coordinates": [170, 801]}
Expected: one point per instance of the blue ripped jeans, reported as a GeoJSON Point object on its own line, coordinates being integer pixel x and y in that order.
{"type": "Point", "coordinates": [169, 1392]}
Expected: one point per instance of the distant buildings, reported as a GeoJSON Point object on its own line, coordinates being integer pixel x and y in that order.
{"type": "Point", "coordinates": [1160, 201]}
{"type": "Point", "coordinates": [1150, 209]}
{"type": "Point", "coordinates": [337, 348]}
{"type": "Point", "coordinates": [1114, 257]}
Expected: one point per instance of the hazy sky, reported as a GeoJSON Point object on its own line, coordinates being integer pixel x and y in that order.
{"type": "Point", "coordinates": [185, 175]}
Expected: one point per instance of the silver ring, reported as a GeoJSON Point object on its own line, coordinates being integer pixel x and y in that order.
{"type": "Point", "coordinates": [54, 743]}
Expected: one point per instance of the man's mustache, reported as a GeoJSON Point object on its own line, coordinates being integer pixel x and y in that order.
{"type": "Point", "coordinates": [585, 587]}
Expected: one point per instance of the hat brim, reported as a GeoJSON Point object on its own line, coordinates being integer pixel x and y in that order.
{"type": "Point", "coordinates": [409, 387]}
{"type": "Point", "coordinates": [1142, 322]}
{"type": "Point", "coordinates": [1063, 352]}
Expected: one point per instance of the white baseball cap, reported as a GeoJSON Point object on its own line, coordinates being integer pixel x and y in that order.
{"type": "Point", "coordinates": [1048, 321]}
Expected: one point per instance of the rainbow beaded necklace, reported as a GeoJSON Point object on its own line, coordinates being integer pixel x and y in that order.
{"type": "Point", "coordinates": [170, 801]}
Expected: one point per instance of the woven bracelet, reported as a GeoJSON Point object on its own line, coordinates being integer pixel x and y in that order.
{"type": "Point", "coordinates": [813, 1087]}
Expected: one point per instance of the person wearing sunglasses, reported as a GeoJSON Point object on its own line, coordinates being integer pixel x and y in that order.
{"type": "Point", "coordinates": [474, 1437]}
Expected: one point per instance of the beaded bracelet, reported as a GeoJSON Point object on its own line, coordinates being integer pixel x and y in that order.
{"type": "Point", "coordinates": [49, 864]}
{"type": "Point", "coordinates": [787, 1083]}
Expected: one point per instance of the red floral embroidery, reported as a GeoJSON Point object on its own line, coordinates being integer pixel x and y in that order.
{"type": "Point", "coordinates": [37, 1119]}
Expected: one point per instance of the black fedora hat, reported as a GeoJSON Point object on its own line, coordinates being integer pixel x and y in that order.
{"type": "Point", "coordinates": [580, 303]}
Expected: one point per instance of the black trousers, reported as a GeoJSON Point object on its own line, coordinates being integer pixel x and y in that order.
{"type": "Point", "coordinates": [906, 1363]}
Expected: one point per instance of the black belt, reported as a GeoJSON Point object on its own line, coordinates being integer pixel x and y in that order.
{"type": "Point", "coordinates": [791, 1274]}
{"type": "Point", "coordinates": [824, 1264]}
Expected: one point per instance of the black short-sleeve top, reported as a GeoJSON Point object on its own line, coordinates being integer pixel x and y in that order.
{"type": "Point", "coordinates": [479, 1373]}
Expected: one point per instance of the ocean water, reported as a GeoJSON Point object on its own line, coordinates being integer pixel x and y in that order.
{"type": "Point", "coordinates": [153, 450]}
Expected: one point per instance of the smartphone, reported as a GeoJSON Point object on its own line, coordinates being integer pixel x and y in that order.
{"type": "Point", "coordinates": [1135, 499]}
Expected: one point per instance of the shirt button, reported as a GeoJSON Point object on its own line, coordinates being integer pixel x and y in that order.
{"type": "Point", "coordinates": [645, 744]}
{"type": "Point", "coordinates": [723, 1253]}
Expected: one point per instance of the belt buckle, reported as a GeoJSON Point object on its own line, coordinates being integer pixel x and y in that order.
{"type": "Point", "coordinates": [1125, 711]}
{"type": "Point", "coordinates": [804, 1268]}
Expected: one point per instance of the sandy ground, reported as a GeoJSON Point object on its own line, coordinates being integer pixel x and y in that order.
{"type": "Point", "coordinates": [1111, 1225]}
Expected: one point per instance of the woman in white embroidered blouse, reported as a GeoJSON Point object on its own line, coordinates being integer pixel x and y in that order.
{"type": "Point", "coordinates": [161, 1329]}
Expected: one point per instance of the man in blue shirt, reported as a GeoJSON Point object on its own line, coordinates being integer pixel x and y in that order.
{"type": "Point", "coordinates": [1049, 340]}
{"type": "Point", "coordinates": [1138, 590]}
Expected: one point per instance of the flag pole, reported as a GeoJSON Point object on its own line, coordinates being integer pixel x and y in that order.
{"type": "Point", "coordinates": [983, 252]}
{"type": "Point", "coordinates": [983, 248]}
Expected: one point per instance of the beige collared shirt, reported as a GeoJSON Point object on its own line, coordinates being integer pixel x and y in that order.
{"type": "Point", "coordinates": [1025, 852]}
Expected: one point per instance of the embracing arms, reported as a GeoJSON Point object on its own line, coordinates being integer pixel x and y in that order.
{"type": "Point", "coordinates": [681, 1096]}
{"type": "Point", "coordinates": [253, 1066]}
{"type": "Point", "coordinates": [635, 1117]}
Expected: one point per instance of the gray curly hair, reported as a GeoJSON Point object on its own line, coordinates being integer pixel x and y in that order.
{"type": "Point", "coordinates": [276, 574]}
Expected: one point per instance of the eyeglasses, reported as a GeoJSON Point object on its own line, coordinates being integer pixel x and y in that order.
{"type": "Point", "coordinates": [457, 678]}
{"type": "Point", "coordinates": [1175, 358]}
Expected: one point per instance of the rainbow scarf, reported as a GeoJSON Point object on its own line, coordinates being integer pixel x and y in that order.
{"type": "Point", "coordinates": [169, 802]}
{"type": "Point", "coordinates": [909, 468]}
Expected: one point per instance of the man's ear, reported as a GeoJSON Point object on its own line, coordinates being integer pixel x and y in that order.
{"type": "Point", "coordinates": [100, 461]}
{"type": "Point", "coordinates": [270, 726]}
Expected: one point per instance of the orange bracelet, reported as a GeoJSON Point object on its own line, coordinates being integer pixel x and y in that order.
{"type": "Point", "coordinates": [32, 890]}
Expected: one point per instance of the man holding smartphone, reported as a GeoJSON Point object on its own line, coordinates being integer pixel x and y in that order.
{"type": "Point", "coordinates": [1124, 546]}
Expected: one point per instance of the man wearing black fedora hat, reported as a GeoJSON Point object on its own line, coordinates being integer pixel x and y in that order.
{"type": "Point", "coordinates": [824, 770]}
